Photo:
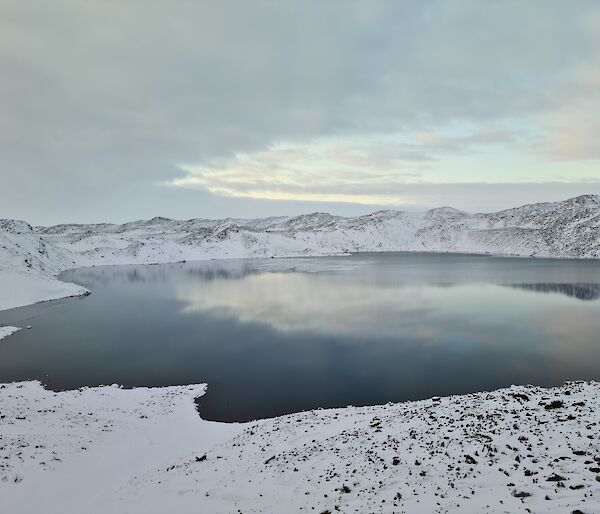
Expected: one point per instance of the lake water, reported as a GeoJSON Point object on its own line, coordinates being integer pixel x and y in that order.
{"type": "Point", "coordinates": [277, 336]}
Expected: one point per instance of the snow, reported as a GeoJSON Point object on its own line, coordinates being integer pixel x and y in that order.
{"type": "Point", "coordinates": [21, 288]}
{"type": "Point", "coordinates": [5, 331]}
{"type": "Point", "coordinates": [562, 229]}
{"type": "Point", "coordinates": [107, 449]}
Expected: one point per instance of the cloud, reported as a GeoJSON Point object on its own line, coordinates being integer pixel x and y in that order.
{"type": "Point", "coordinates": [104, 99]}
{"type": "Point", "coordinates": [574, 126]}
{"type": "Point", "coordinates": [323, 171]}
{"type": "Point", "coordinates": [372, 169]}
{"type": "Point", "coordinates": [569, 127]}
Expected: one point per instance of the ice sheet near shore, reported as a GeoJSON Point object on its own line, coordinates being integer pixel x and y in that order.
{"type": "Point", "coordinates": [19, 289]}
{"type": "Point", "coordinates": [30, 257]}
{"type": "Point", "coordinates": [98, 450]}
{"type": "Point", "coordinates": [6, 331]}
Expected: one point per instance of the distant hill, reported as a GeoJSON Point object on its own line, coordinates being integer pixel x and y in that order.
{"type": "Point", "coordinates": [570, 228]}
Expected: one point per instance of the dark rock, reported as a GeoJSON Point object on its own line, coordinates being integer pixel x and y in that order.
{"type": "Point", "coordinates": [470, 460]}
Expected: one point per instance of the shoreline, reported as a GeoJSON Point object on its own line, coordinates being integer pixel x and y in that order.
{"type": "Point", "coordinates": [109, 449]}
{"type": "Point", "coordinates": [78, 291]}
{"type": "Point", "coordinates": [148, 450]}
{"type": "Point", "coordinates": [557, 230]}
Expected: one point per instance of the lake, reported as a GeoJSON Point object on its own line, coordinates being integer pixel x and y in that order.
{"type": "Point", "coordinates": [275, 336]}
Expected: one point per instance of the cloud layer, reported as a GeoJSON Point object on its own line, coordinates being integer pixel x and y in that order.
{"type": "Point", "coordinates": [102, 102]}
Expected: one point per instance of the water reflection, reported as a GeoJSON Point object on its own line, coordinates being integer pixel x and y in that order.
{"type": "Point", "coordinates": [277, 336]}
{"type": "Point", "coordinates": [333, 304]}
{"type": "Point", "coordinates": [579, 291]}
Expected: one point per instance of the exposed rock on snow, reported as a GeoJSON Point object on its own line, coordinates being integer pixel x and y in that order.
{"type": "Point", "coordinates": [562, 229]}
{"type": "Point", "coordinates": [146, 450]}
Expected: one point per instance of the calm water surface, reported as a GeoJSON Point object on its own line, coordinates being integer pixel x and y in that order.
{"type": "Point", "coordinates": [277, 336]}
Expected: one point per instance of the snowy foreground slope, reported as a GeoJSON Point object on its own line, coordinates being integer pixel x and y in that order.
{"type": "Point", "coordinates": [31, 257]}
{"type": "Point", "coordinates": [99, 450]}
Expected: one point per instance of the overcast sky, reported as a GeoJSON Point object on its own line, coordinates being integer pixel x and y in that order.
{"type": "Point", "coordinates": [126, 109]}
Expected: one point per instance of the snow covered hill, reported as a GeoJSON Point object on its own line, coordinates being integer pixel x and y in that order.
{"type": "Point", "coordinates": [561, 229]}
{"type": "Point", "coordinates": [107, 449]}
{"type": "Point", "coordinates": [522, 449]}
{"type": "Point", "coordinates": [28, 265]}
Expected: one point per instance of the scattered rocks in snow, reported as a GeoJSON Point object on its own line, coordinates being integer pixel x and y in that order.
{"type": "Point", "coordinates": [555, 404]}
{"type": "Point", "coordinates": [482, 452]}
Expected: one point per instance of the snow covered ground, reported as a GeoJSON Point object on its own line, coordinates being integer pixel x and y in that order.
{"type": "Point", "coordinates": [31, 257]}
{"type": "Point", "coordinates": [106, 449]}
{"type": "Point", "coordinates": [98, 450]}
{"type": "Point", "coordinates": [22, 288]}
{"type": "Point", "coordinates": [6, 331]}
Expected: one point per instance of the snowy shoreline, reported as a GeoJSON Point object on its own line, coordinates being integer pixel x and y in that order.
{"type": "Point", "coordinates": [107, 449]}
{"type": "Point", "coordinates": [33, 289]}
{"type": "Point", "coordinates": [6, 331]}
{"type": "Point", "coordinates": [31, 258]}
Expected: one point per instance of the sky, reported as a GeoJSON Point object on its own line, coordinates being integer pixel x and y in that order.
{"type": "Point", "coordinates": [123, 110]}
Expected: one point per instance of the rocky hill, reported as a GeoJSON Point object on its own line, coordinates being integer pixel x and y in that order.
{"type": "Point", "coordinates": [568, 229]}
